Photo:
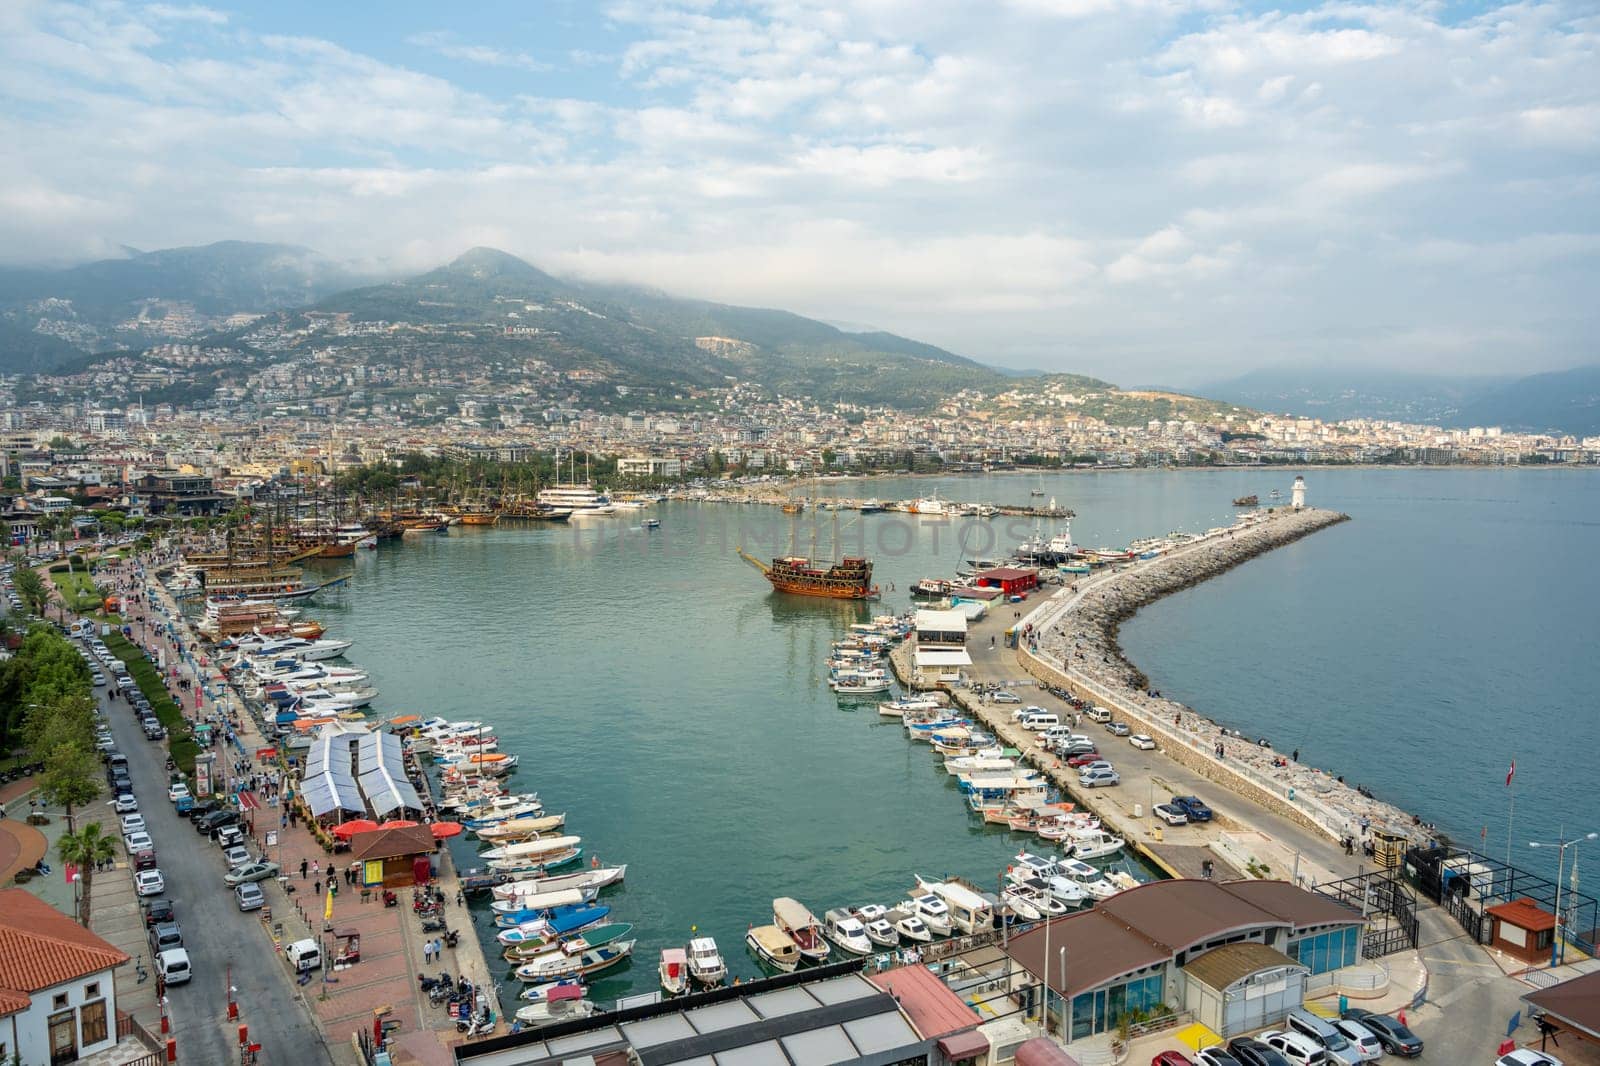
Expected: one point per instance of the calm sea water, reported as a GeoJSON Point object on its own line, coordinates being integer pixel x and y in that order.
{"type": "Point", "coordinates": [659, 693]}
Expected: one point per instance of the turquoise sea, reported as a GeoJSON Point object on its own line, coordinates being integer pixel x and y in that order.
{"type": "Point", "coordinates": [658, 692]}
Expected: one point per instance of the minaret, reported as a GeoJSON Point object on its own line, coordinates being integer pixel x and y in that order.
{"type": "Point", "coordinates": [1299, 497]}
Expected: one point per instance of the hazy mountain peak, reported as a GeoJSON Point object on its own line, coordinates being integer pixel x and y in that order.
{"type": "Point", "coordinates": [484, 263]}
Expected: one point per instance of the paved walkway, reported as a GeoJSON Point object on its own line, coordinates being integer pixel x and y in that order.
{"type": "Point", "coordinates": [21, 846]}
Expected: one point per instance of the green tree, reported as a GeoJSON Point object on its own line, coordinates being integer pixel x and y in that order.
{"type": "Point", "coordinates": [31, 587]}
{"type": "Point", "coordinates": [71, 778]}
{"type": "Point", "coordinates": [84, 849]}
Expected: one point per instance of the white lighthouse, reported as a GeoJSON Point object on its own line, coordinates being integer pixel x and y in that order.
{"type": "Point", "coordinates": [1299, 496]}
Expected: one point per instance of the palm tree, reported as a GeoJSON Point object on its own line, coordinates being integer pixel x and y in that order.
{"type": "Point", "coordinates": [84, 848]}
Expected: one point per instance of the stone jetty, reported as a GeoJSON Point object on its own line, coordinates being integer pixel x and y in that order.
{"type": "Point", "coordinates": [1074, 642]}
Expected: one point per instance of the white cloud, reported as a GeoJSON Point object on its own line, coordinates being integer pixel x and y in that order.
{"type": "Point", "coordinates": [1118, 188]}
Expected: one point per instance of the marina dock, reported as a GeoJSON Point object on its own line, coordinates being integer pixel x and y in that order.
{"type": "Point", "coordinates": [1258, 829]}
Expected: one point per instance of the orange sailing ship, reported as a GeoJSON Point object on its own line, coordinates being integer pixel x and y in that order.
{"type": "Point", "coordinates": [848, 579]}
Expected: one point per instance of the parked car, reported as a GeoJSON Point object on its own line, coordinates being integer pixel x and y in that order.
{"type": "Point", "coordinates": [1087, 758]}
{"type": "Point", "coordinates": [1298, 1049]}
{"type": "Point", "coordinates": [202, 808]}
{"type": "Point", "coordinates": [229, 835]}
{"type": "Point", "coordinates": [149, 883]}
{"type": "Point", "coordinates": [250, 896]}
{"type": "Point", "coordinates": [1097, 714]}
{"type": "Point", "coordinates": [145, 860]}
{"type": "Point", "coordinates": [1003, 697]}
{"type": "Point", "coordinates": [236, 856]}
{"type": "Point", "coordinates": [1216, 1056]}
{"type": "Point", "coordinates": [138, 840]}
{"type": "Point", "coordinates": [1321, 1031]}
{"type": "Point", "coordinates": [216, 820]}
{"type": "Point", "coordinates": [164, 936]}
{"type": "Point", "coordinates": [176, 789]}
{"type": "Point", "coordinates": [132, 823]}
{"type": "Point", "coordinates": [255, 871]}
{"type": "Point", "coordinates": [1170, 814]}
{"type": "Point", "coordinates": [1361, 1038]}
{"type": "Point", "coordinates": [1099, 778]}
{"type": "Point", "coordinates": [126, 803]}
{"type": "Point", "coordinates": [1192, 808]}
{"type": "Point", "coordinates": [1526, 1056]}
{"type": "Point", "coordinates": [1395, 1038]}
{"type": "Point", "coordinates": [157, 911]}
{"type": "Point", "coordinates": [1171, 1058]}
{"type": "Point", "coordinates": [1142, 742]}
{"type": "Point", "coordinates": [1076, 747]}
{"type": "Point", "coordinates": [1118, 729]}
{"type": "Point", "coordinates": [1254, 1053]}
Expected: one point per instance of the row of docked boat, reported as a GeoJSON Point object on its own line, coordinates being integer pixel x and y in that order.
{"type": "Point", "coordinates": [855, 664]}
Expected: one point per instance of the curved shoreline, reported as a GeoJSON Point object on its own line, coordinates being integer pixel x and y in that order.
{"type": "Point", "coordinates": [1077, 642]}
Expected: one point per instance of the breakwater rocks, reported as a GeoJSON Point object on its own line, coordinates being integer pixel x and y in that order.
{"type": "Point", "coordinates": [1077, 645]}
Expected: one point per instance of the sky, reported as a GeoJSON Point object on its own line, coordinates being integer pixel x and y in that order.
{"type": "Point", "coordinates": [1153, 191]}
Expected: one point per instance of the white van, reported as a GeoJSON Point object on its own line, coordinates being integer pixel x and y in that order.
{"type": "Point", "coordinates": [304, 955]}
{"type": "Point", "coordinates": [1039, 723]}
{"type": "Point", "coordinates": [1338, 1046]}
{"type": "Point", "coordinates": [173, 966]}
{"type": "Point", "coordinates": [1097, 714]}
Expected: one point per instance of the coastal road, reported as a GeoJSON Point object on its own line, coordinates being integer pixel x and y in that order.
{"type": "Point", "coordinates": [218, 936]}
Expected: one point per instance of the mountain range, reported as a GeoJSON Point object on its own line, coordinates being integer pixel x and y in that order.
{"type": "Point", "coordinates": [1564, 401]}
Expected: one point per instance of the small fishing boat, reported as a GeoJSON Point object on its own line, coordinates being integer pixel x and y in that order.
{"type": "Point", "coordinates": [674, 971]}
{"type": "Point", "coordinates": [540, 992]}
{"type": "Point", "coordinates": [594, 936]}
{"type": "Point", "coordinates": [529, 849]}
{"type": "Point", "coordinates": [706, 967]}
{"type": "Point", "coordinates": [1093, 883]}
{"type": "Point", "coordinates": [859, 683]}
{"type": "Point", "coordinates": [513, 830]}
{"type": "Point", "coordinates": [575, 957]}
{"type": "Point", "coordinates": [1093, 844]}
{"type": "Point", "coordinates": [508, 812]}
{"type": "Point", "coordinates": [536, 904]}
{"type": "Point", "coordinates": [597, 878]}
{"type": "Point", "coordinates": [899, 708]}
{"type": "Point", "coordinates": [774, 947]}
{"type": "Point", "coordinates": [559, 923]}
{"type": "Point", "coordinates": [880, 930]}
{"type": "Point", "coordinates": [652, 523]}
{"type": "Point", "coordinates": [796, 920]}
{"type": "Point", "coordinates": [846, 930]}
{"type": "Point", "coordinates": [561, 1003]}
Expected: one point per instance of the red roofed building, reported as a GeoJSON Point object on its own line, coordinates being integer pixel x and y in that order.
{"type": "Point", "coordinates": [1008, 579]}
{"type": "Point", "coordinates": [57, 996]}
{"type": "Point", "coordinates": [1522, 929]}
{"type": "Point", "coordinates": [935, 1012]}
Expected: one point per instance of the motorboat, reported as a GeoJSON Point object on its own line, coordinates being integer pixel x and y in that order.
{"type": "Point", "coordinates": [706, 967]}
{"type": "Point", "coordinates": [537, 903]}
{"type": "Point", "coordinates": [1093, 844]}
{"type": "Point", "coordinates": [1093, 883]}
{"type": "Point", "coordinates": [489, 799]}
{"type": "Point", "coordinates": [674, 971]}
{"type": "Point", "coordinates": [880, 930]}
{"type": "Point", "coordinates": [932, 910]}
{"type": "Point", "coordinates": [538, 993]}
{"type": "Point", "coordinates": [774, 947]}
{"type": "Point", "coordinates": [597, 877]}
{"type": "Point", "coordinates": [526, 849]}
{"type": "Point", "coordinates": [594, 936]}
{"type": "Point", "coordinates": [970, 912]}
{"type": "Point", "coordinates": [1031, 900]}
{"type": "Point", "coordinates": [859, 682]}
{"type": "Point", "coordinates": [797, 921]}
{"type": "Point", "coordinates": [563, 1002]}
{"type": "Point", "coordinates": [515, 828]}
{"type": "Point", "coordinates": [574, 958]}
{"type": "Point", "coordinates": [505, 812]}
{"type": "Point", "coordinates": [899, 708]}
{"type": "Point", "coordinates": [846, 930]}
{"type": "Point", "coordinates": [557, 924]}
{"type": "Point", "coordinates": [909, 925]}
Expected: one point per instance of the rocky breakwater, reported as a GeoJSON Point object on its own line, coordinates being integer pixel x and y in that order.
{"type": "Point", "coordinates": [1076, 636]}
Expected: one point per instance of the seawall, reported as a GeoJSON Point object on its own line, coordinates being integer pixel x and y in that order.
{"type": "Point", "coordinates": [1075, 646]}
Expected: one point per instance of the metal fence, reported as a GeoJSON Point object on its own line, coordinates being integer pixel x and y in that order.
{"type": "Point", "coordinates": [1388, 905]}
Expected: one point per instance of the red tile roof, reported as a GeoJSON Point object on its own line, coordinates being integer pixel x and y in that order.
{"type": "Point", "coordinates": [934, 1010]}
{"type": "Point", "coordinates": [40, 947]}
{"type": "Point", "coordinates": [1524, 914]}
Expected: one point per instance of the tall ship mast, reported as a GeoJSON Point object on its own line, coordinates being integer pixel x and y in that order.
{"type": "Point", "coordinates": [848, 579]}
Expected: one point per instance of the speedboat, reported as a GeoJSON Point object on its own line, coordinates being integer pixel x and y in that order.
{"type": "Point", "coordinates": [575, 958]}
{"type": "Point", "coordinates": [846, 930]}
{"type": "Point", "coordinates": [1029, 865]}
{"type": "Point", "coordinates": [774, 947]}
{"type": "Point", "coordinates": [880, 930]}
{"type": "Point", "coordinates": [705, 962]}
{"type": "Point", "coordinates": [1094, 844]}
{"type": "Point", "coordinates": [594, 936]}
{"type": "Point", "coordinates": [598, 877]}
{"type": "Point", "coordinates": [909, 925]}
{"type": "Point", "coordinates": [674, 971]}
{"type": "Point", "coordinates": [1033, 896]}
{"type": "Point", "coordinates": [1090, 880]}
{"type": "Point", "coordinates": [932, 910]}
{"type": "Point", "coordinates": [801, 926]}
{"type": "Point", "coordinates": [558, 924]}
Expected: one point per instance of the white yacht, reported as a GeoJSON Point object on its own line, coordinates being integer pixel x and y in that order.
{"type": "Point", "coordinates": [932, 910]}
{"type": "Point", "coordinates": [846, 930]}
{"type": "Point", "coordinates": [705, 962]}
{"type": "Point", "coordinates": [1086, 877]}
{"type": "Point", "coordinates": [576, 496]}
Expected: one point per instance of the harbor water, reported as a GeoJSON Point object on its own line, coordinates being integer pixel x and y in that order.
{"type": "Point", "coordinates": [675, 708]}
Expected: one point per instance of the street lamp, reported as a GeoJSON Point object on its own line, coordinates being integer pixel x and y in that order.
{"type": "Point", "coordinates": [1563, 845]}
{"type": "Point", "coordinates": [1065, 1036]}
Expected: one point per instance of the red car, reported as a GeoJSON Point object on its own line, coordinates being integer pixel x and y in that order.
{"type": "Point", "coordinates": [1170, 1058]}
{"type": "Point", "coordinates": [145, 860]}
{"type": "Point", "coordinates": [1085, 759]}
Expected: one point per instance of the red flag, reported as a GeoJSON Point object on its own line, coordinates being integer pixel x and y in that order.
{"type": "Point", "coordinates": [69, 871]}
{"type": "Point", "coordinates": [1511, 773]}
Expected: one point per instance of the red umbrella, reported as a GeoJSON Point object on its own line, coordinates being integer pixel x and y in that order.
{"type": "Point", "coordinates": [398, 823]}
{"type": "Point", "coordinates": [346, 830]}
{"type": "Point", "coordinates": [444, 829]}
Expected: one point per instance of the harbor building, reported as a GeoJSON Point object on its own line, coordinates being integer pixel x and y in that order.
{"type": "Point", "coordinates": [1237, 954]}
{"type": "Point", "coordinates": [810, 1018]}
{"type": "Point", "coordinates": [941, 646]}
{"type": "Point", "coordinates": [1010, 580]}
